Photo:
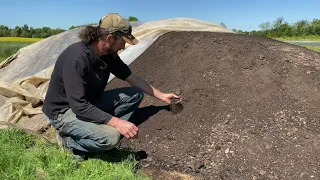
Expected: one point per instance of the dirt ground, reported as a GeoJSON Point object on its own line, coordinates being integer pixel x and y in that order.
{"type": "Point", "coordinates": [250, 107]}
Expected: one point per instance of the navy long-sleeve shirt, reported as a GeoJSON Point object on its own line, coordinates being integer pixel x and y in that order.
{"type": "Point", "coordinates": [78, 81]}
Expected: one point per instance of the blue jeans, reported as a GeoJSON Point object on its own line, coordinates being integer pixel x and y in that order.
{"type": "Point", "coordinates": [90, 137]}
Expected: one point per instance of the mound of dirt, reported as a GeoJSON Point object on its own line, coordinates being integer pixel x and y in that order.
{"type": "Point", "coordinates": [250, 107]}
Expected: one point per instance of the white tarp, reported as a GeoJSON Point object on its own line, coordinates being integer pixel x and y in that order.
{"type": "Point", "coordinates": [24, 77]}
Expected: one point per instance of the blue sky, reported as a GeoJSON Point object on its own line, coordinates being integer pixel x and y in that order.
{"type": "Point", "coordinates": [244, 15]}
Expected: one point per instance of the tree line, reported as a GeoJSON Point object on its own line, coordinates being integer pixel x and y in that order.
{"type": "Point", "coordinates": [281, 28]}
{"type": "Point", "coordinates": [30, 32]}
{"type": "Point", "coordinates": [277, 28]}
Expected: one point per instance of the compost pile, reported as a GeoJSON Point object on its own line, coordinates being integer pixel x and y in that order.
{"type": "Point", "coordinates": [250, 107]}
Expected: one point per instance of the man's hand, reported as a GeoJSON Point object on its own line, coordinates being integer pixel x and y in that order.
{"type": "Point", "coordinates": [126, 128]}
{"type": "Point", "coordinates": [167, 97]}
{"type": "Point", "coordinates": [136, 81]}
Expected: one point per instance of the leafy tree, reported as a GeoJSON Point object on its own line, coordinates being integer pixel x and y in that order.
{"type": "Point", "coordinates": [72, 27]}
{"type": "Point", "coordinates": [265, 26]}
{"type": "Point", "coordinates": [16, 32]}
{"type": "Point", "coordinates": [281, 28]}
{"type": "Point", "coordinates": [4, 31]}
{"type": "Point", "coordinates": [315, 26]}
{"type": "Point", "coordinates": [132, 19]}
{"type": "Point", "coordinates": [278, 28]}
{"type": "Point", "coordinates": [277, 23]}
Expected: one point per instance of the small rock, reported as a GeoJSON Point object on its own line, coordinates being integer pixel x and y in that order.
{"type": "Point", "coordinates": [306, 136]}
{"type": "Point", "coordinates": [292, 131]}
{"type": "Point", "coordinates": [232, 153]}
{"type": "Point", "coordinates": [309, 72]}
{"type": "Point", "coordinates": [217, 147]}
{"type": "Point", "coordinates": [199, 165]}
{"type": "Point", "coordinates": [185, 46]}
{"type": "Point", "coordinates": [146, 165]}
{"type": "Point", "coordinates": [252, 132]}
{"type": "Point", "coordinates": [267, 146]}
{"type": "Point", "coordinates": [149, 159]}
{"type": "Point", "coordinates": [227, 151]}
{"type": "Point", "coordinates": [219, 50]}
{"type": "Point", "coordinates": [189, 165]}
{"type": "Point", "coordinates": [261, 57]}
{"type": "Point", "coordinates": [251, 152]}
{"type": "Point", "coordinates": [272, 177]}
{"type": "Point", "coordinates": [262, 172]}
{"type": "Point", "coordinates": [159, 128]}
{"type": "Point", "coordinates": [254, 178]}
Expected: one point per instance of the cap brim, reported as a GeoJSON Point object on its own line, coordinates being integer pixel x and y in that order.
{"type": "Point", "coordinates": [130, 39]}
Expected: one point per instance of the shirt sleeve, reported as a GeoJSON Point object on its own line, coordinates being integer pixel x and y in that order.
{"type": "Point", "coordinates": [74, 72]}
{"type": "Point", "coordinates": [118, 68]}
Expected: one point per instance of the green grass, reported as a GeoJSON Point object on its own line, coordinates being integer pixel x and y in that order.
{"type": "Point", "coordinates": [315, 48]}
{"type": "Point", "coordinates": [7, 48]}
{"type": "Point", "coordinates": [23, 156]}
{"type": "Point", "coordinates": [1, 59]}
{"type": "Point", "coordinates": [10, 45]}
{"type": "Point", "coordinates": [303, 38]}
{"type": "Point", "coordinates": [300, 38]}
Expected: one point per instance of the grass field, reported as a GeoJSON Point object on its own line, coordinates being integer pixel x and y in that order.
{"type": "Point", "coordinates": [8, 48]}
{"type": "Point", "coordinates": [303, 38]}
{"type": "Point", "coordinates": [23, 156]}
{"type": "Point", "coordinates": [10, 45]}
{"type": "Point", "coordinates": [315, 48]}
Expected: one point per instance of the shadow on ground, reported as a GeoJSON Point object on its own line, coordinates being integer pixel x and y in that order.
{"type": "Point", "coordinates": [116, 155]}
{"type": "Point", "coordinates": [143, 114]}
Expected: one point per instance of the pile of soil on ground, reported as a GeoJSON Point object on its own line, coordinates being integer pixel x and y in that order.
{"type": "Point", "coordinates": [250, 107]}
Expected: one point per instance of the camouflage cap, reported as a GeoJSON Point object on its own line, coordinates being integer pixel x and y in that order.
{"type": "Point", "coordinates": [116, 24]}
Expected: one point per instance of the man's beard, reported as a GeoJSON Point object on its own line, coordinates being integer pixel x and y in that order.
{"type": "Point", "coordinates": [111, 50]}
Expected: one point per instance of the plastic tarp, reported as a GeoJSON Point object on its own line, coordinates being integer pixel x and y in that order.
{"type": "Point", "coordinates": [25, 76]}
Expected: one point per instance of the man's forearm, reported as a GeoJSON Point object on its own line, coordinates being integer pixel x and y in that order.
{"type": "Point", "coordinates": [146, 87]}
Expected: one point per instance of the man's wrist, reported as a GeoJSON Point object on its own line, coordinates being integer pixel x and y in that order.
{"type": "Point", "coordinates": [113, 122]}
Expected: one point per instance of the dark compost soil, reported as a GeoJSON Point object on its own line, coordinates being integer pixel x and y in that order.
{"type": "Point", "coordinates": [250, 107]}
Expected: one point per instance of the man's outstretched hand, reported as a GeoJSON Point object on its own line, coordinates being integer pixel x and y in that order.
{"type": "Point", "coordinates": [126, 128]}
{"type": "Point", "coordinates": [167, 97]}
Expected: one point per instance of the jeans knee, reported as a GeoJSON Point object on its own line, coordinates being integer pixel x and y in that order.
{"type": "Point", "coordinates": [111, 138]}
{"type": "Point", "coordinates": [114, 140]}
{"type": "Point", "coordinates": [138, 93]}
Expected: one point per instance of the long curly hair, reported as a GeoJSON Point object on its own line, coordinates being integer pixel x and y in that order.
{"type": "Point", "coordinates": [90, 34]}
